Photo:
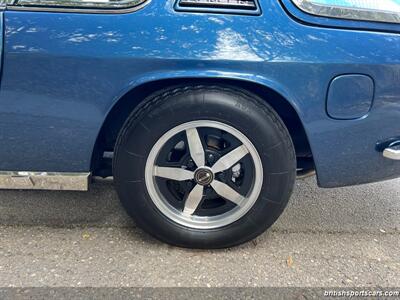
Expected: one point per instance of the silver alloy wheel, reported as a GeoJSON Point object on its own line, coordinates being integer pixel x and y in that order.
{"type": "Point", "coordinates": [204, 177]}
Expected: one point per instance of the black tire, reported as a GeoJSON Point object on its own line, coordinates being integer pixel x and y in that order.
{"type": "Point", "coordinates": [240, 109]}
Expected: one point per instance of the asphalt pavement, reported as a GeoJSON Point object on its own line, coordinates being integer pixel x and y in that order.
{"type": "Point", "coordinates": [326, 238]}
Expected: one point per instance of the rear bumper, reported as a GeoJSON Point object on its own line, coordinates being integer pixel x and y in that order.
{"type": "Point", "coordinates": [347, 153]}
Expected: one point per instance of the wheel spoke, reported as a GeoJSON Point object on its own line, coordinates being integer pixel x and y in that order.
{"type": "Point", "coordinates": [227, 192]}
{"type": "Point", "coordinates": [195, 147]}
{"type": "Point", "coordinates": [193, 200]}
{"type": "Point", "coordinates": [173, 173]}
{"type": "Point", "coordinates": [230, 159]}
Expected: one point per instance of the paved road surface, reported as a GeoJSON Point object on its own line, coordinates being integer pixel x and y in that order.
{"type": "Point", "coordinates": [341, 237]}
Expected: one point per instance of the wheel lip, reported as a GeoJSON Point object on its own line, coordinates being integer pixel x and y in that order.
{"type": "Point", "coordinates": [197, 222]}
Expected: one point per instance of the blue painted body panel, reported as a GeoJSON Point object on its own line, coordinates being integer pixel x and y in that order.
{"type": "Point", "coordinates": [1, 39]}
{"type": "Point", "coordinates": [63, 73]}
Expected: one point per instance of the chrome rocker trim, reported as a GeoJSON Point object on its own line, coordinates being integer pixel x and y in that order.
{"type": "Point", "coordinates": [59, 6]}
{"type": "Point", "coordinates": [17, 180]}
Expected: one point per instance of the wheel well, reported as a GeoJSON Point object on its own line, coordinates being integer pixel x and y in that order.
{"type": "Point", "coordinates": [101, 164]}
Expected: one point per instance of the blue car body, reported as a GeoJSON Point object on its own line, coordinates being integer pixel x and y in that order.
{"type": "Point", "coordinates": [64, 73]}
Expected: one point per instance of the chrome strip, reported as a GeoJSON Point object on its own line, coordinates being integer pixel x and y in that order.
{"type": "Point", "coordinates": [81, 3]}
{"type": "Point", "coordinates": [391, 154]}
{"type": "Point", "coordinates": [346, 12]}
{"type": "Point", "coordinates": [34, 6]}
{"type": "Point", "coordinates": [17, 180]}
{"type": "Point", "coordinates": [392, 151]}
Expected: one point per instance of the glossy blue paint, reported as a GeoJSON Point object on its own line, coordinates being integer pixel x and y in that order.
{"type": "Point", "coordinates": [350, 96]}
{"type": "Point", "coordinates": [63, 72]}
{"type": "Point", "coordinates": [1, 39]}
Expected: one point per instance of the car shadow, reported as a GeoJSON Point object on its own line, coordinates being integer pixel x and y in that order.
{"type": "Point", "coordinates": [366, 208]}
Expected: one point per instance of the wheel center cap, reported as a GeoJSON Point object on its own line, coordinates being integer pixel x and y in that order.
{"type": "Point", "coordinates": [203, 176]}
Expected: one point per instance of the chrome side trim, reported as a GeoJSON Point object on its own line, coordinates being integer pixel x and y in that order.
{"type": "Point", "coordinates": [91, 9]}
{"type": "Point", "coordinates": [341, 12]}
{"type": "Point", "coordinates": [44, 181]}
{"type": "Point", "coordinates": [392, 153]}
{"type": "Point", "coordinates": [79, 3]}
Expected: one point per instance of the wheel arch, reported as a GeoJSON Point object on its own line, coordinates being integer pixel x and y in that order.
{"type": "Point", "coordinates": [269, 91]}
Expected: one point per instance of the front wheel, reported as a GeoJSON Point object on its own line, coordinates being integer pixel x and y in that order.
{"type": "Point", "coordinates": [204, 167]}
